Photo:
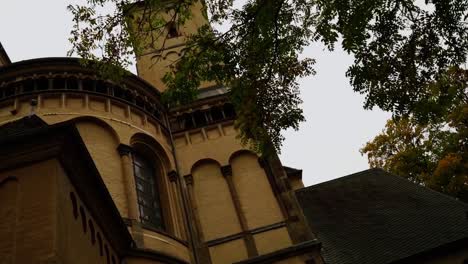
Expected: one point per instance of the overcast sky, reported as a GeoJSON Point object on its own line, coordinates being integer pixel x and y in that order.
{"type": "Point", "coordinates": [327, 144]}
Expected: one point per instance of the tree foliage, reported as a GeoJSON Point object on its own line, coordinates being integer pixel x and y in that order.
{"type": "Point", "coordinates": [257, 58]}
{"type": "Point", "coordinates": [435, 153]}
{"type": "Point", "coordinates": [402, 49]}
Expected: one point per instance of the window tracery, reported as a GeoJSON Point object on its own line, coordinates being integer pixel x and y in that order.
{"type": "Point", "coordinates": [149, 202]}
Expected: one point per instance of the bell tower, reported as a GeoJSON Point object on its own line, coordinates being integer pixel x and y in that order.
{"type": "Point", "coordinates": [160, 50]}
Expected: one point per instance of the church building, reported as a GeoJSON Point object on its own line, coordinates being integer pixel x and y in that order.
{"type": "Point", "coordinates": [98, 171]}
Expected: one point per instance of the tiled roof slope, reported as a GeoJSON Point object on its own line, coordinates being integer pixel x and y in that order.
{"type": "Point", "coordinates": [374, 217]}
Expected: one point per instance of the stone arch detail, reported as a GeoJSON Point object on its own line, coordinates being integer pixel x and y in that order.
{"type": "Point", "coordinates": [154, 146]}
{"type": "Point", "coordinates": [148, 147]}
{"type": "Point", "coordinates": [214, 206]}
{"type": "Point", "coordinates": [241, 152]}
{"type": "Point", "coordinates": [100, 122]}
{"type": "Point", "coordinates": [102, 140]}
{"type": "Point", "coordinates": [203, 161]}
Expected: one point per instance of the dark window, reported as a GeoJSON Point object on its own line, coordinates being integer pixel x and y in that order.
{"type": "Point", "coordinates": [175, 124]}
{"type": "Point", "coordinates": [89, 85]}
{"type": "Point", "coordinates": [59, 83]}
{"type": "Point", "coordinates": [157, 114]}
{"type": "Point", "coordinates": [43, 84]}
{"type": "Point", "coordinates": [101, 87]}
{"type": "Point", "coordinates": [73, 84]}
{"type": "Point", "coordinates": [28, 86]}
{"type": "Point", "coordinates": [148, 196]}
{"type": "Point", "coordinates": [187, 121]}
{"type": "Point", "coordinates": [229, 111]}
{"type": "Point", "coordinates": [216, 113]}
{"type": "Point", "coordinates": [172, 30]}
{"type": "Point", "coordinates": [10, 90]}
{"type": "Point", "coordinates": [118, 92]}
{"type": "Point", "coordinates": [140, 101]}
{"type": "Point", "coordinates": [200, 118]}
{"type": "Point", "coordinates": [128, 96]}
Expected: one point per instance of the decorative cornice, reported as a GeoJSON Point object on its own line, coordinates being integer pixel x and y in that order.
{"type": "Point", "coordinates": [124, 149]}
{"type": "Point", "coordinates": [173, 176]}
{"type": "Point", "coordinates": [226, 170]}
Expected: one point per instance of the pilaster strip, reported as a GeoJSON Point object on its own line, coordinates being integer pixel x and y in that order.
{"type": "Point", "coordinates": [125, 152]}
{"type": "Point", "coordinates": [202, 247]}
{"type": "Point", "coordinates": [296, 222]}
{"type": "Point", "coordinates": [248, 238]}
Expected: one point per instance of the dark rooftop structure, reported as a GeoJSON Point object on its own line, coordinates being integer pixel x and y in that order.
{"type": "Point", "coordinates": [4, 59]}
{"type": "Point", "coordinates": [374, 217]}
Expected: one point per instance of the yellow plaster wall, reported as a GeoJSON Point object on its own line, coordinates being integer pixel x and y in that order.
{"type": "Point", "coordinates": [197, 145]}
{"type": "Point", "coordinates": [75, 245]}
{"type": "Point", "coordinates": [258, 202]}
{"type": "Point", "coordinates": [8, 213]}
{"type": "Point", "coordinates": [272, 240]}
{"type": "Point", "coordinates": [230, 252]}
{"type": "Point", "coordinates": [103, 124]}
{"type": "Point", "coordinates": [101, 138]}
{"type": "Point", "coordinates": [102, 145]}
{"type": "Point", "coordinates": [30, 220]}
{"type": "Point", "coordinates": [214, 203]}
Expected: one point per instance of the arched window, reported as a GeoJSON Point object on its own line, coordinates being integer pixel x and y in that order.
{"type": "Point", "coordinates": [149, 203]}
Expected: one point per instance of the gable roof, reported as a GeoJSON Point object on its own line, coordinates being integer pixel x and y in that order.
{"type": "Point", "coordinates": [374, 217]}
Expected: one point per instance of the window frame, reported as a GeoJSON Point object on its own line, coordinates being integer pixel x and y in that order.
{"type": "Point", "coordinates": [149, 200]}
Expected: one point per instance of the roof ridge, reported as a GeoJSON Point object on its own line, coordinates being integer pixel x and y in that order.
{"type": "Point", "coordinates": [341, 178]}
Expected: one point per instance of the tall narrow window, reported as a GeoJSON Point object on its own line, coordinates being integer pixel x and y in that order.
{"type": "Point", "coordinates": [148, 195]}
{"type": "Point", "coordinates": [172, 30]}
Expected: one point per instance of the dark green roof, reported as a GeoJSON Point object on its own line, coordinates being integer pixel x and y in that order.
{"type": "Point", "coordinates": [374, 217]}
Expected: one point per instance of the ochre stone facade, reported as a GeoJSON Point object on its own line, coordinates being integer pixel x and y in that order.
{"type": "Point", "coordinates": [94, 171]}
{"type": "Point", "coordinates": [220, 203]}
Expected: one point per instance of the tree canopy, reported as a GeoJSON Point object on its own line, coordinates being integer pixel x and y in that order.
{"type": "Point", "coordinates": [402, 49]}
{"type": "Point", "coordinates": [434, 153]}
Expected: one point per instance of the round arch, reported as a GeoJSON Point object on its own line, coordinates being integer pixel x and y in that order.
{"type": "Point", "coordinates": [241, 152]}
{"type": "Point", "coordinates": [99, 122]}
{"type": "Point", "coordinates": [204, 161]}
{"type": "Point", "coordinates": [145, 143]}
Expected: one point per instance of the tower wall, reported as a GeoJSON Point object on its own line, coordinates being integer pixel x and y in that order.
{"type": "Point", "coordinates": [160, 51]}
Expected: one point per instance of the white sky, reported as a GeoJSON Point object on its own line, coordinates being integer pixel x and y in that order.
{"type": "Point", "coordinates": [327, 144]}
